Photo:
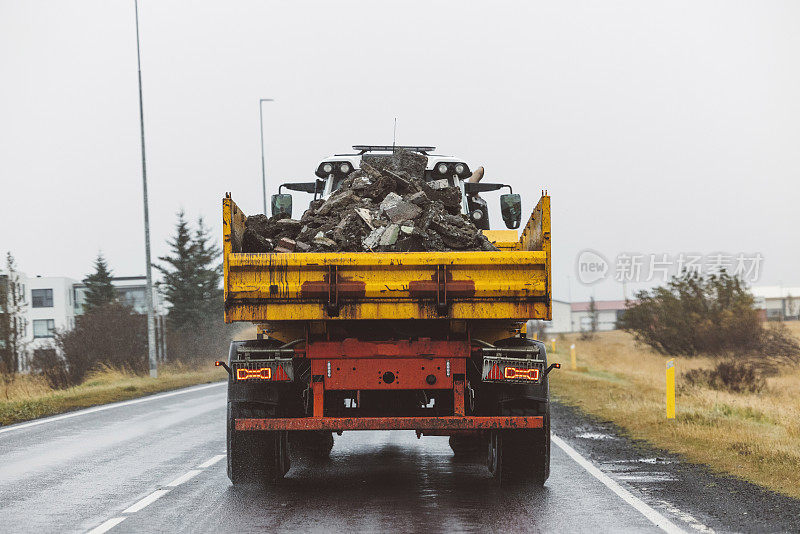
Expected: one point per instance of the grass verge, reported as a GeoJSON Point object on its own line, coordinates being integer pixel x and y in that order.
{"type": "Point", "coordinates": [25, 397]}
{"type": "Point", "coordinates": [755, 436]}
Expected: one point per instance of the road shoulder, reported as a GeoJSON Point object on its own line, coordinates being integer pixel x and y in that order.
{"type": "Point", "coordinates": [693, 493]}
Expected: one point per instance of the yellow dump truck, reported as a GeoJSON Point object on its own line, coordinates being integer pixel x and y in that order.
{"type": "Point", "coordinates": [426, 341]}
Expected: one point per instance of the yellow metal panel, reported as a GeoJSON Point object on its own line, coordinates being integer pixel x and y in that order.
{"type": "Point", "coordinates": [511, 284]}
{"type": "Point", "coordinates": [503, 239]}
{"type": "Point", "coordinates": [315, 311]}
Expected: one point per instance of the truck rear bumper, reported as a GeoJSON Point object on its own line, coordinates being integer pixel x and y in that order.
{"type": "Point", "coordinates": [392, 423]}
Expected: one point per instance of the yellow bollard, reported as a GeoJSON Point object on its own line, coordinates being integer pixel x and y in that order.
{"type": "Point", "coordinates": [573, 357]}
{"type": "Point", "coordinates": [553, 344]}
{"type": "Point", "coordinates": [671, 389]}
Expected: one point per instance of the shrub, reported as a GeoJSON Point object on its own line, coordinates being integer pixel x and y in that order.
{"type": "Point", "coordinates": [730, 375]}
{"type": "Point", "coordinates": [112, 335]}
{"type": "Point", "coordinates": [51, 367]}
{"type": "Point", "coordinates": [711, 315]}
{"type": "Point", "coordinates": [696, 315]}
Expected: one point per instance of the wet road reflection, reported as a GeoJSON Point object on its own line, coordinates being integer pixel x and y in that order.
{"type": "Point", "coordinates": [384, 481]}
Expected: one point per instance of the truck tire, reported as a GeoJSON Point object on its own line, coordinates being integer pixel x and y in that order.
{"type": "Point", "coordinates": [255, 456]}
{"type": "Point", "coordinates": [525, 454]}
{"type": "Point", "coordinates": [520, 455]}
{"type": "Point", "coordinates": [310, 444]}
{"type": "Point", "coordinates": [466, 447]}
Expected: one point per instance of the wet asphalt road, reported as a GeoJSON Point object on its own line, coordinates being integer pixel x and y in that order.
{"type": "Point", "coordinates": [157, 465]}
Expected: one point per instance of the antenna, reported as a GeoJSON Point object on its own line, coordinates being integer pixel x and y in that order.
{"type": "Point", "coordinates": [394, 134]}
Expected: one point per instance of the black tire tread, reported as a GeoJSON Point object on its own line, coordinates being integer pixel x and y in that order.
{"type": "Point", "coordinates": [526, 453]}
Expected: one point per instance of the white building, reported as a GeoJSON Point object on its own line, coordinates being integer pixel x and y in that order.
{"type": "Point", "coordinates": [50, 307]}
{"type": "Point", "coordinates": [559, 324]}
{"type": "Point", "coordinates": [608, 313]}
{"type": "Point", "coordinates": [131, 290]}
{"type": "Point", "coordinates": [779, 303]}
{"type": "Point", "coordinates": [51, 304]}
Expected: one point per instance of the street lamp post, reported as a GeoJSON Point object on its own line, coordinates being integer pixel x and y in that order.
{"type": "Point", "coordinates": [151, 327]}
{"type": "Point", "coordinates": [263, 164]}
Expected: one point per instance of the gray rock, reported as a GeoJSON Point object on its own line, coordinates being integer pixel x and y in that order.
{"type": "Point", "coordinates": [413, 163]}
{"type": "Point", "coordinates": [419, 199]}
{"type": "Point", "coordinates": [288, 224]}
{"type": "Point", "coordinates": [439, 184]}
{"type": "Point", "coordinates": [391, 200]}
{"type": "Point", "coordinates": [403, 211]}
{"type": "Point", "coordinates": [366, 216]}
{"type": "Point", "coordinates": [390, 235]}
{"type": "Point", "coordinates": [320, 239]}
{"type": "Point", "coordinates": [337, 202]}
{"type": "Point", "coordinates": [374, 237]}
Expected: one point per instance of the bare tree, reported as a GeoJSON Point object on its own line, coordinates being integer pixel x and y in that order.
{"type": "Point", "coordinates": [587, 334]}
{"type": "Point", "coordinates": [12, 319]}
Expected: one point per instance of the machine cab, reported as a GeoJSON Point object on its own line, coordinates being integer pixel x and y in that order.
{"type": "Point", "coordinates": [333, 170]}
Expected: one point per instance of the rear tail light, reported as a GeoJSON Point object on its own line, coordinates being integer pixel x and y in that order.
{"type": "Point", "coordinates": [274, 370]}
{"type": "Point", "coordinates": [500, 369]}
{"type": "Point", "coordinates": [264, 373]}
{"type": "Point", "coordinates": [522, 374]}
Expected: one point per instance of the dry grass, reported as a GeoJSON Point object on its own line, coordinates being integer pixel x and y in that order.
{"type": "Point", "coordinates": [755, 436]}
{"type": "Point", "coordinates": [25, 397]}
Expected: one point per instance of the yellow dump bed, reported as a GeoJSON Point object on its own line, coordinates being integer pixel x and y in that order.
{"type": "Point", "coordinates": [513, 283]}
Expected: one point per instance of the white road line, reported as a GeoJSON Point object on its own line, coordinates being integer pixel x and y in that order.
{"type": "Point", "coordinates": [184, 477]}
{"type": "Point", "coordinates": [211, 461]}
{"type": "Point", "coordinates": [107, 525]}
{"type": "Point", "coordinates": [107, 407]}
{"type": "Point", "coordinates": [150, 499]}
{"type": "Point", "coordinates": [656, 518]}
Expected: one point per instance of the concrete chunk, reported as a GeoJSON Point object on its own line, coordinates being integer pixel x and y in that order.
{"type": "Point", "coordinates": [419, 198]}
{"type": "Point", "coordinates": [338, 201]}
{"type": "Point", "coordinates": [389, 236]}
{"type": "Point", "coordinates": [366, 216]}
{"type": "Point", "coordinates": [320, 239]}
{"type": "Point", "coordinates": [374, 237]}
{"type": "Point", "coordinates": [391, 200]}
{"type": "Point", "coordinates": [403, 211]}
{"type": "Point", "coordinates": [287, 243]}
{"type": "Point", "coordinates": [439, 184]}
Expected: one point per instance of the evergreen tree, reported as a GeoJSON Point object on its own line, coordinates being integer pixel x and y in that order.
{"type": "Point", "coordinates": [99, 288]}
{"type": "Point", "coordinates": [191, 280]}
{"type": "Point", "coordinates": [206, 254]}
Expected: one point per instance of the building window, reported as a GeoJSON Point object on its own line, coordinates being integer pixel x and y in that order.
{"type": "Point", "coordinates": [42, 298]}
{"type": "Point", "coordinates": [44, 328]}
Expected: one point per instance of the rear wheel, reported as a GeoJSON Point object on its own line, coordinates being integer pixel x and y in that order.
{"type": "Point", "coordinates": [254, 455]}
{"type": "Point", "coordinates": [521, 455]}
{"type": "Point", "coordinates": [466, 447]}
{"type": "Point", "coordinates": [525, 454]}
{"type": "Point", "coordinates": [312, 444]}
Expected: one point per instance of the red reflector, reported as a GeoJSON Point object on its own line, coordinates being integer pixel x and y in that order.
{"type": "Point", "coordinates": [280, 374]}
{"type": "Point", "coordinates": [494, 373]}
{"type": "Point", "coordinates": [265, 373]}
{"type": "Point", "coordinates": [521, 374]}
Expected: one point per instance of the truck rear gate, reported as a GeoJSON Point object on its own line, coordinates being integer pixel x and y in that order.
{"type": "Point", "coordinates": [379, 335]}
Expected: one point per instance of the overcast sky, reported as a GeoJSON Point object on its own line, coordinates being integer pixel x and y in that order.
{"type": "Point", "coordinates": [658, 128]}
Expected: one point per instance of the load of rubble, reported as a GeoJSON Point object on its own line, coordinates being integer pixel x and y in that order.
{"type": "Point", "coordinates": [386, 206]}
